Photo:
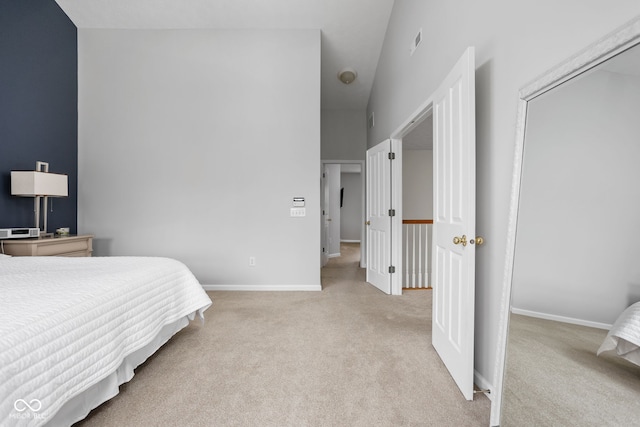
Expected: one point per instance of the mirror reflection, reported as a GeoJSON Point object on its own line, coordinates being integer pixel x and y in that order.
{"type": "Point", "coordinates": [577, 257]}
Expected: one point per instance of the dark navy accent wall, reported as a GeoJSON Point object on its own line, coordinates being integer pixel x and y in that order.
{"type": "Point", "coordinates": [38, 105]}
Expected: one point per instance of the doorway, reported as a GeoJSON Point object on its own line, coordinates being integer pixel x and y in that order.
{"type": "Point", "coordinates": [417, 205]}
{"type": "Point", "coordinates": [342, 204]}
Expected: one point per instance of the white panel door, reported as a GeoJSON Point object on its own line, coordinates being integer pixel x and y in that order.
{"type": "Point", "coordinates": [325, 215]}
{"type": "Point", "coordinates": [453, 264]}
{"type": "Point", "coordinates": [378, 220]}
{"type": "Point", "coordinates": [333, 209]}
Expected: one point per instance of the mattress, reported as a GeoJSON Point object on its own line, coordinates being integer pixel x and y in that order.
{"type": "Point", "coordinates": [624, 335]}
{"type": "Point", "coordinates": [69, 324]}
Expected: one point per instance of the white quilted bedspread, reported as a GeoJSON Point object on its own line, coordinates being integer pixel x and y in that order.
{"type": "Point", "coordinates": [624, 335]}
{"type": "Point", "coordinates": [67, 323]}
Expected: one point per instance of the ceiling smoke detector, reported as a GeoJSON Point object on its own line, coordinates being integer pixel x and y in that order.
{"type": "Point", "coordinates": [347, 75]}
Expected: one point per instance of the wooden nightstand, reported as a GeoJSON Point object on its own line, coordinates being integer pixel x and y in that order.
{"type": "Point", "coordinates": [50, 246]}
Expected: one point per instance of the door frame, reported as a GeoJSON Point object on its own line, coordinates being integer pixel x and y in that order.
{"type": "Point", "coordinates": [417, 117]}
{"type": "Point", "coordinates": [363, 258]}
{"type": "Point", "coordinates": [396, 220]}
{"type": "Point", "coordinates": [331, 209]}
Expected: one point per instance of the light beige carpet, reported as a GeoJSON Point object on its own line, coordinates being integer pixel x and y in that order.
{"type": "Point", "coordinates": [346, 356]}
{"type": "Point", "coordinates": [554, 378]}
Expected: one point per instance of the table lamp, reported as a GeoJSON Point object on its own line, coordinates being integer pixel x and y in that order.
{"type": "Point", "coordinates": [39, 184]}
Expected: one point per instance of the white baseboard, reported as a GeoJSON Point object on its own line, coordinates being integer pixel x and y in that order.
{"type": "Point", "coordinates": [262, 287]}
{"type": "Point", "coordinates": [334, 255]}
{"type": "Point", "coordinates": [563, 319]}
{"type": "Point", "coordinates": [482, 383]}
{"type": "Point", "coordinates": [350, 241]}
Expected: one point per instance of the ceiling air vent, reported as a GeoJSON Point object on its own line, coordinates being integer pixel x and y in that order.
{"type": "Point", "coordinates": [416, 41]}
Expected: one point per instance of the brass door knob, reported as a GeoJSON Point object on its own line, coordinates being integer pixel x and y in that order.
{"type": "Point", "coordinates": [460, 240]}
{"type": "Point", "coordinates": [478, 241]}
{"type": "Point", "coordinates": [368, 223]}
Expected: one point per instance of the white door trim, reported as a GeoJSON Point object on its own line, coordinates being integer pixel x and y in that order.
{"type": "Point", "coordinates": [414, 119]}
{"type": "Point", "coordinates": [407, 126]}
{"type": "Point", "coordinates": [362, 213]}
{"type": "Point", "coordinates": [396, 221]}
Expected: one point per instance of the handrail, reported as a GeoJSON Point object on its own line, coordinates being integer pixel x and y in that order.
{"type": "Point", "coordinates": [417, 221]}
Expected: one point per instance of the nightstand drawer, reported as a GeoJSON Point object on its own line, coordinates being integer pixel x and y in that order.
{"type": "Point", "coordinates": [62, 247]}
{"type": "Point", "coordinates": [54, 246]}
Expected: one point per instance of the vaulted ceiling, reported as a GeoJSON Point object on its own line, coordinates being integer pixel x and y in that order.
{"type": "Point", "coordinates": [352, 30]}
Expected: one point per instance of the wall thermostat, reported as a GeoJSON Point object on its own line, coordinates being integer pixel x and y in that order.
{"type": "Point", "coordinates": [298, 202]}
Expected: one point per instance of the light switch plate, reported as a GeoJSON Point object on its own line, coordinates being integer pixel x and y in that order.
{"type": "Point", "coordinates": [297, 212]}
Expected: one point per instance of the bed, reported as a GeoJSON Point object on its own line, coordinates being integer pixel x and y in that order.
{"type": "Point", "coordinates": [72, 330]}
{"type": "Point", "coordinates": [624, 335]}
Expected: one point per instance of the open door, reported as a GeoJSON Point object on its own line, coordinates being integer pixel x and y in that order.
{"type": "Point", "coordinates": [324, 197]}
{"type": "Point", "coordinates": [453, 263]}
{"type": "Point", "coordinates": [332, 208]}
{"type": "Point", "coordinates": [378, 175]}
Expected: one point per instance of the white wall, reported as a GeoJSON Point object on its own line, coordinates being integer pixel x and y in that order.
{"type": "Point", "coordinates": [417, 184]}
{"type": "Point", "coordinates": [351, 212]}
{"type": "Point", "coordinates": [193, 143]}
{"type": "Point", "coordinates": [344, 135]}
{"type": "Point", "coordinates": [576, 255]}
{"type": "Point", "coordinates": [515, 42]}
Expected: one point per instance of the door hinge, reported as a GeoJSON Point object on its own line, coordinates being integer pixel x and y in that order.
{"type": "Point", "coordinates": [324, 175]}
{"type": "Point", "coordinates": [392, 269]}
{"type": "Point", "coordinates": [392, 156]}
{"type": "Point", "coordinates": [392, 212]}
{"type": "Point", "coordinates": [322, 250]}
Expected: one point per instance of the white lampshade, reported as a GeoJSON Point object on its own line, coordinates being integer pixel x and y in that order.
{"type": "Point", "coordinates": [34, 183]}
